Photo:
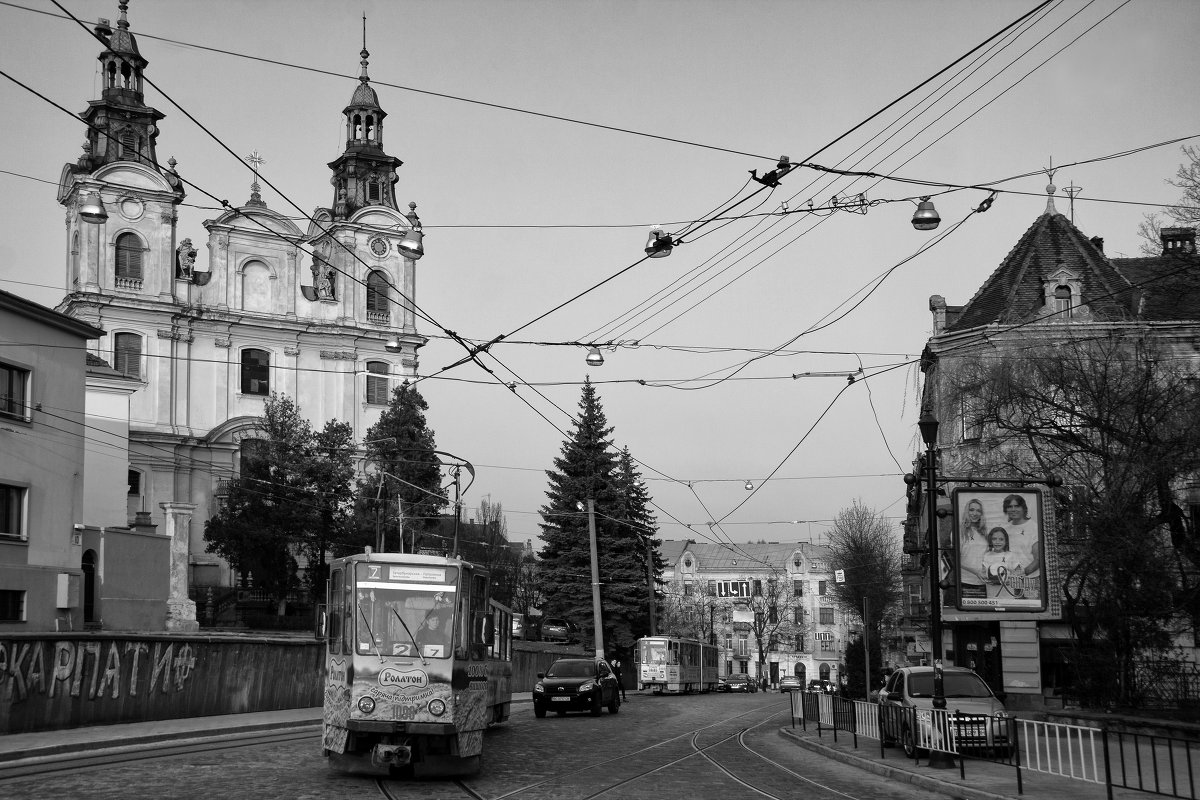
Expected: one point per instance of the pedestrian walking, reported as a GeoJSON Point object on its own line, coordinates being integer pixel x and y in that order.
{"type": "Point", "coordinates": [616, 668]}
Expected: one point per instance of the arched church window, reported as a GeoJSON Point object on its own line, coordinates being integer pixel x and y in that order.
{"type": "Point", "coordinates": [377, 295]}
{"type": "Point", "coordinates": [256, 371]}
{"type": "Point", "coordinates": [256, 286]}
{"type": "Point", "coordinates": [111, 75]}
{"type": "Point", "coordinates": [129, 256]}
{"type": "Point", "coordinates": [358, 128]}
{"type": "Point", "coordinates": [370, 127]}
{"type": "Point", "coordinates": [127, 354]}
{"type": "Point", "coordinates": [126, 73]}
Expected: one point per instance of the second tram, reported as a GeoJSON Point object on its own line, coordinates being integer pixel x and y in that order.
{"type": "Point", "coordinates": [418, 662]}
{"type": "Point", "coordinates": [675, 665]}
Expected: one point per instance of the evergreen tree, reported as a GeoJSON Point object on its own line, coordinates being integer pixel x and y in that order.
{"type": "Point", "coordinates": [278, 506]}
{"type": "Point", "coordinates": [331, 475]}
{"type": "Point", "coordinates": [637, 535]}
{"type": "Point", "coordinates": [587, 468]}
{"type": "Point", "coordinates": [402, 487]}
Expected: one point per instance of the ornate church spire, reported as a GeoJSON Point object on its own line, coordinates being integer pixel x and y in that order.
{"type": "Point", "coordinates": [364, 175]}
{"type": "Point", "coordinates": [121, 127]}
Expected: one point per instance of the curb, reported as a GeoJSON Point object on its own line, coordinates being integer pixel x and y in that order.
{"type": "Point", "coordinates": [927, 782]}
{"type": "Point", "coordinates": [48, 751]}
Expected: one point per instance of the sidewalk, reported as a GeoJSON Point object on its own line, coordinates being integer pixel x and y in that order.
{"type": "Point", "coordinates": [984, 780]}
{"type": "Point", "coordinates": [45, 744]}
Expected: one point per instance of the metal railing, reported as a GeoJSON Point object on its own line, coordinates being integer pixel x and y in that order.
{"type": "Point", "coordinates": [1163, 765]}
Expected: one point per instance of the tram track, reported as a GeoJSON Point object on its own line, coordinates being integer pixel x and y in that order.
{"type": "Point", "coordinates": [622, 772]}
{"type": "Point", "coordinates": [68, 763]}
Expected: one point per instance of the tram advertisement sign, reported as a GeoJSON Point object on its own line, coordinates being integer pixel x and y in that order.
{"type": "Point", "coordinates": [733, 588]}
{"type": "Point", "coordinates": [999, 549]}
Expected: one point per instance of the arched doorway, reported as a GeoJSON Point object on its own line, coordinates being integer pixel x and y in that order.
{"type": "Point", "coordinates": [89, 586]}
{"type": "Point", "coordinates": [800, 673]}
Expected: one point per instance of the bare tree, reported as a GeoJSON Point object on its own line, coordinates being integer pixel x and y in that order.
{"type": "Point", "coordinates": [1185, 214]}
{"type": "Point", "coordinates": [1113, 415]}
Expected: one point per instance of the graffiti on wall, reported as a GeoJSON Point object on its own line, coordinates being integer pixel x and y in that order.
{"type": "Point", "coordinates": [95, 669]}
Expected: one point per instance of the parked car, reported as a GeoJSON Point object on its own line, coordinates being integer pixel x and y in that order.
{"type": "Point", "coordinates": [577, 684]}
{"type": "Point", "coordinates": [739, 682]}
{"type": "Point", "coordinates": [910, 690]}
{"type": "Point", "coordinates": [558, 629]}
{"type": "Point", "coordinates": [824, 687]}
{"type": "Point", "coordinates": [519, 628]}
{"type": "Point", "coordinates": [790, 683]}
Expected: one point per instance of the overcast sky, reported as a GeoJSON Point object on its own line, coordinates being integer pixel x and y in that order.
{"type": "Point", "coordinates": [542, 140]}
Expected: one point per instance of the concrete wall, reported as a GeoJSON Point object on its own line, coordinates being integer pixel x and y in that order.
{"type": "Point", "coordinates": [50, 682]}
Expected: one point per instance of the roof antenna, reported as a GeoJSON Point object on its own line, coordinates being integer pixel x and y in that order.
{"type": "Point", "coordinates": [1071, 191]}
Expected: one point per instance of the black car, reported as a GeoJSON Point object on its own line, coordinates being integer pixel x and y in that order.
{"type": "Point", "coordinates": [740, 682]}
{"type": "Point", "coordinates": [577, 684]}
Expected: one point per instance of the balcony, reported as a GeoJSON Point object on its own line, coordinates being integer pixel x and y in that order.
{"type": "Point", "coordinates": [379, 317]}
{"type": "Point", "coordinates": [129, 284]}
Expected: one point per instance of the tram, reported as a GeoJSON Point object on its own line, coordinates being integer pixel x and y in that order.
{"type": "Point", "coordinates": [674, 665]}
{"type": "Point", "coordinates": [418, 663]}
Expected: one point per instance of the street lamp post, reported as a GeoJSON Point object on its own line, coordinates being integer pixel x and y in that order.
{"type": "Point", "coordinates": [928, 426]}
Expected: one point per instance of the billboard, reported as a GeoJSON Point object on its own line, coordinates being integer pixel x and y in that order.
{"type": "Point", "coordinates": [999, 550]}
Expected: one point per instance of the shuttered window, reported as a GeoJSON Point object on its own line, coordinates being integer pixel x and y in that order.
{"type": "Point", "coordinates": [127, 354]}
{"type": "Point", "coordinates": [129, 256]}
{"type": "Point", "coordinates": [256, 371]}
{"type": "Point", "coordinates": [377, 292]}
{"type": "Point", "coordinates": [377, 383]}
{"type": "Point", "coordinates": [14, 386]}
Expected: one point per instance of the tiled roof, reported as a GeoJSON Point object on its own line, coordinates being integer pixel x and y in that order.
{"type": "Point", "coordinates": [741, 556]}
{"type": "Point", "coordinates": [1014, 293]}
{"type": "Point", "coordinates": [1169, 285]}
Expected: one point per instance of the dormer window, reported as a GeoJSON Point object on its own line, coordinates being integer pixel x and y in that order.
{"type": "Point", "coordinates": [1063, 300]}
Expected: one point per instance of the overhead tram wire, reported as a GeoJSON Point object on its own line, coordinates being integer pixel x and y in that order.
{"type": "Point", "coordinates": [712, 218]}
{"type": "Point", "coordinates": [676, 288]}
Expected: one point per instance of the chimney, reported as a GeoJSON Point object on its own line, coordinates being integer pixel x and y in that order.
{"type": "Point", "coordinates": [1098, 243]}
{"type": "Point", "coordinates": [1178, 241]}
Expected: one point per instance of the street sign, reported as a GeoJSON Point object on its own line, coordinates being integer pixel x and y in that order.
{"type": "Point", "coordinates": [839, 575]}
{"type": "Point", "coordinates": [733, 588]}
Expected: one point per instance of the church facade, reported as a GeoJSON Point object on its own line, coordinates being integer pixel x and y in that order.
{"type": "Point", "coordinates": [211, 323]}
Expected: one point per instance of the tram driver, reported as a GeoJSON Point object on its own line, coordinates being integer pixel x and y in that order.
{"type": "Point", "coordinates": [433, 636]}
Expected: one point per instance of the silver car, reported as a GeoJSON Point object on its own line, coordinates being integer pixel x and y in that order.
{"type": "Point", "coordinates": [978, 718]}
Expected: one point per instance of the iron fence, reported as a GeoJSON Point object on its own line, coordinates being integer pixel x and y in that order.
{"type": "Point", "coordinates": [1162, 765]}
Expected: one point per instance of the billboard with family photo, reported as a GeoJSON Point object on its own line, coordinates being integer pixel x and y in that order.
{"type": "Point", "coordinates": [999, 549]}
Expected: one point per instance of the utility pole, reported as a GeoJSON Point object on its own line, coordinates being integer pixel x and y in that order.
{"type": "Point", "coordinates": [596, 621]}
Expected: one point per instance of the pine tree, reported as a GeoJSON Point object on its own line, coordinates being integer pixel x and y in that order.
{"type": "Point", "coordinates": [588, 468]}
{"type": "Point", "coordinates": [403, 484]}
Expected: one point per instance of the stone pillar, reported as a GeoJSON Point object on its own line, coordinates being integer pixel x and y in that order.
{"type": "Point", "coordinates": [181, 611]}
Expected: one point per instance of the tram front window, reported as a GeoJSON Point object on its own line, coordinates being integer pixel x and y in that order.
{"type": "Point", "coordinates": [405, 622]}
{"type": "Point", "coordinates": [654, 653]}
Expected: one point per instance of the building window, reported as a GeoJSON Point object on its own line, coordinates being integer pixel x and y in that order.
{"type": "Point", "coordinates": [800, 643]}
{"type": "Point", "coordinates": [797, 588]}
{"type": "Point", "coordinates": [377, 383]}
{"type": "Point", "coordinates": [256, 371]}
{"type": "Point", "coordinates": [758, 588]}
{"type": "Point", "coordinates": [826, 616]}
{"type": "Point", "coordinates": [743, 646]}
{"type": "Point", "coordinates": [729, 642]}
{"type": "Point", "coordinates": [12, 510]}
{"type": "Point", "coordinates": [798, 616]}
{"type": "Point", "coordinates": [12, 605]}
{"type": "Point", "coordinates": [1062, 300]}
{"type": "Point", "coordinates": [127, 354]}
{"type": "Point", "coordinates": [378, 305]}
{"type": "Point", "coordinates": [14, 392]}
{"type": "Point", "coordinates": [687, 589]}
{"type": "Point", "coordinates": [971, 411]}
{"type": "Point", "coordinates": [773, 615]}
{"type": "Point", "coordinates": [712, 588]}
{"type": "Point", "coordinates": [129, 257]}
{"type": "Point", "coordinates": [827, 644]}
{"type": "Point", "coordinates": [821, 587]}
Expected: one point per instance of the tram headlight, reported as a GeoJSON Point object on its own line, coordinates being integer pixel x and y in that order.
{"type": "Point", "coordinates": [437, 707]}
{"type": "Point", "coordinates": [366, 705]}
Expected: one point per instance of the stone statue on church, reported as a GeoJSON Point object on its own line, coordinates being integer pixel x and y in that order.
{"type": "Point", "coordinates": [185, 259]}
{"type": "Point", "coordinates": [322, 278]}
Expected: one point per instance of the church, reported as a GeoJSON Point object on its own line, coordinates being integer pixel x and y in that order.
{"type": "Point", "coordinates": [209, 324]}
